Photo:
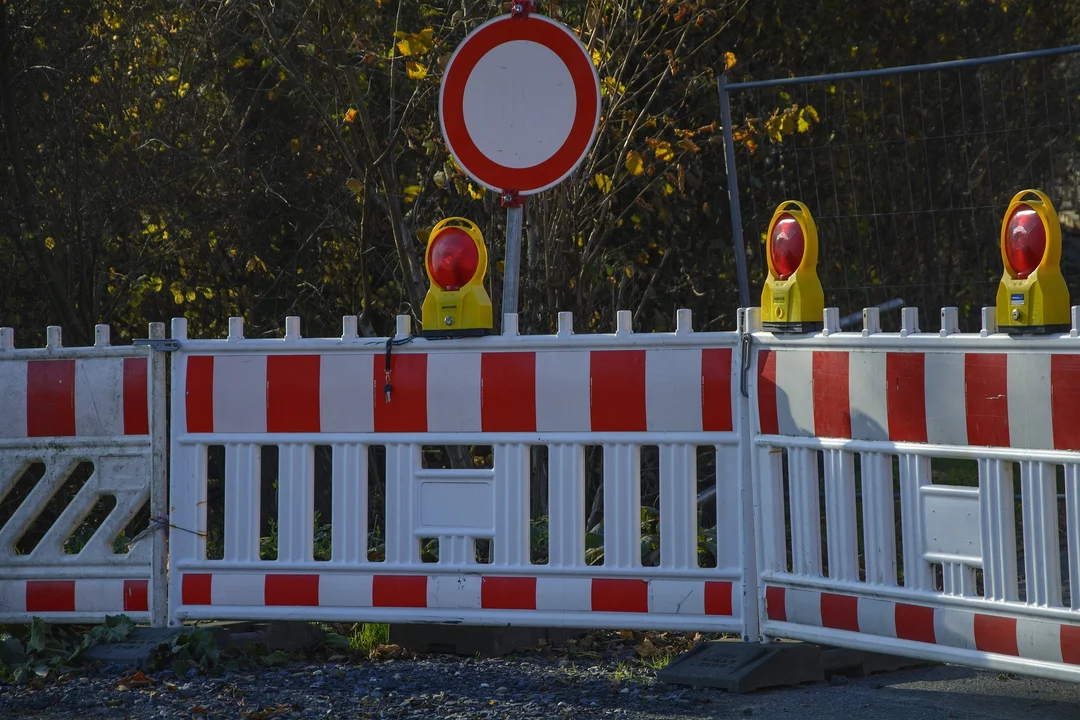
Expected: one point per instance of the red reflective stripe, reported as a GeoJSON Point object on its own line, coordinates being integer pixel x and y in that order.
{"type": "Point", "coordinates": [718, 598]}
{"type": "Point", "coordinates": [716, 390]}
{"type": "Point", "coordinates": [292, 590]}
{"type": "Point", "coordinates": [399, 591]}
{"type": "Point", "coordinates": [50, 596]}
{"type": "Point", "coordinates": [1065, 400]}
{"type": "Point", "coordinates": [840, 612]}
{"type": "Point", "coordinates": [1070, 644]}
{"type": "Point", "coordinates": [986, 398]}
{"type": "Point", "coordinates": [199, 400]}
{"type": "Point", "coordinates": [292, 393]}
{"type": "Point", "coordinates": [136, 595]}
{"type": "Point", "coordinates": [508, 593]}
{"type": "Point", "coordinates": [195, 589]}
{"type": "Point", "coordinates": [508, 392]}
{"type": "Point", "coordinates": [766, 392]}
{"type": "Point", "coordinates": [136, 404]}
{"type": "Point", "coordinates": [915, 622]}
{"type": "Point", "coordinates": [776, 603]}
{"type": "Point", "coordinates": [407, 409]}
{"type": "Point", "coordinates": [50, 398]}
{"type": "Point", "coordinates": [620, 596]}
{"type": "Point", "coordinates": [995, 634]}
{"type": "Point", "coordinates": [832, 408]}
{"type": "Point", "coordinates": [905, 395]}
{"type": "Point", "coordinates": [617, 390]}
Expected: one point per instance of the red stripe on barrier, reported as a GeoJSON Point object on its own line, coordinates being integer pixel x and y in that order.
{"type": "Point", "coordinates": [617, 390]}
{"type": "Point", "coordinates": [620, 596]}
{"type": "Point", "coordinates": [136, 403]}
{"type": "Point", "coordinates": [766, 392]}
{"type": "Point", "coordinates": [195, 589]}
{"type": "Point", "coordinates": [718, 598]}
{"type": "Point", "coordinates": [199, 399]}
{"type": "Point", "coordinates": [50, 596]}
{"type": "Point", "coordinates": [840, 612]}
{"type": "Point", "coordinates": [291, 590]}
{"type": "Point", "coordinates": [832, 407]}
{"type": "Point", "coordinates": [1064, 400]}
{"type": "Point", "coordinates": [508, 392]}
{"type": "Point", "coordinates": [905, 395]}
{"type": "Point", "coordinates": [407, 409]}
{"type": "Point", "coordinates": [995, 634]}
{"type": "Point", "coordinates": [716, 390]}
{"type": "Point", "coordinates": [136, 595]}
{"type": "Point", "coordinates": [1070, 644]}
{"type": "Point", "coordinates": [399, 591]}
{"type": "Point", "coordinates": [986, 398]}
{"type": "Point", "coordinates": [508, 593]}
{"type": "Point", "coordinates": [292, 393]}
{"type": "Point", "coordinates": [50, 398]}
{"type": "Point", "coordinates": [915, 622]}
{"type": "Point", "coordinates": [776, 603]}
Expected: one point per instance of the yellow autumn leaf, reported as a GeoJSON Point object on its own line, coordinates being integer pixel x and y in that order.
{"type": "Point", "coordinates": [807, 115]}
{"type": "Point", "coordinates": [350, 115]}
{"type": "Point", "coordinates": [596, 57]}
{"type": "Point", "coordinates": [476, 193]}
{"type": "Point", "coordinates": [410, 192]}
{"type": "Point", "coordinates": [241, 62]}
{"type": "Point", "coordinates": [729, 60]}
{"type": "Point", "coordinates": [356, 186]}
{"type": "Point", "coordinates": [295, 145]}
{"type": "Point", "coordinates": [634, 163]}
{"type": "Point", "coordinates": [628, 271]}
{"type": "Point", "coordinates": [663, 151]}
{"type": "Point", "coordinates": [603, 182]}
{"type": "Point", "coordinates": [415, 70]}
{"type": "Point", "coordinates": [190, 296]}
{"type": "Point", "coordinates": [50, 243]}
{"type": "Point", "coordinates": [688, 145]}
{"type": "Point", "coordinates": [415, 43]}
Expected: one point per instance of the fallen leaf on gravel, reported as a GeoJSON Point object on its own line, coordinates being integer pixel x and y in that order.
{"type": "Point", "coordinates": [198, 710]}
{"type": "Point", "coordinates": [267, 713]}
{"type": "Point", "coordinates": [132, 682]}
{"type": "Point", "coordinates": [646, 649]}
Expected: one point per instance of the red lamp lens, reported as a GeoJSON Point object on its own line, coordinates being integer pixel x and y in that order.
{"type": "Point", "coordinates": [452, 259]}
{"type": "Point", "coordinates": [1025, 241]}
{"type": "Point", "coordinates": [787, 245]}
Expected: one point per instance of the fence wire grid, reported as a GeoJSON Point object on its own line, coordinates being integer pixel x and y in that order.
{"type": "Point", "coordinates": [908, 173]}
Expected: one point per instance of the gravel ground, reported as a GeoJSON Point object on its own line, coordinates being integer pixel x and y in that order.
{"type": "Point", "coordinates": [531, 686]}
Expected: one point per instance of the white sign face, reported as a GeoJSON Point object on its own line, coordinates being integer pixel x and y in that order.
{"type": "Point", "coordinates": [519, 104]}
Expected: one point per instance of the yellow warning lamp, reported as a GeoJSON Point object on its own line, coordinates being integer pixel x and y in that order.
{"type": "Point", "coordinates": [456, 262]}
{"type": "Point", "coordinates": [792, 300]}
{"type": "Point", "coordinates": [1032, 297]}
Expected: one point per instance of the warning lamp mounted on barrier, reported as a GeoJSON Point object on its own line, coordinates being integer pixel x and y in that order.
{"type": "Point", "coordinates": [792, 300]}
{"type": "Point", "coordinates": [456, 261]}
{"type": "Point", "coordinates": [1032, 296]}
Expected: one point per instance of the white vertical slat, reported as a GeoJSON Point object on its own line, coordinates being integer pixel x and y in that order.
{"type": "Point", "coordinates": [512, 471]}
{"type": "Point", "coordinates": [349, 514]}
{"type": "Point", "coordinates": [456, 550]}
{"type": "Point", "coordinates": [1042, 553]}
{"type": "Point", "coordinates": [622, 506]}
{"type": "Point", "coordinates": [1072, 513]}
{"type": "Point", "coordinates": [728, 545]}
{"type": "Point", "coordinates": [879, 518]}
{"type": "Point", "coordinates": [243, 475]}
{"type": "Point", "coordinates": [296, 502]}
{"type": "Point", "coordinates": [769, 482]}
{"type": "Point", "coordinates": [805, 506]}
{"type": "Point", "coordinates": [842, 537]}
{"type": "Point", "coordinates": [566, 506]}
{"type": "Point", "coordinates": [998, 528]}
{"type": "Point", "coordinates": [402, 462]}
{"type": "Point", "coordinates": [678, 506]}
{"type": "Point", "coordinates": [914, 474]}
{"type": "Point", "coordinates": [958, 579]}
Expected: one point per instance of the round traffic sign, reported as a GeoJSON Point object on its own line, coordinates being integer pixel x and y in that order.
{"type": "Point", "coordinates": [519, 103]}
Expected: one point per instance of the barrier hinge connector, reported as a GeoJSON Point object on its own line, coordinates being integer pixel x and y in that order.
{"type": "Point", "coordinates": [159, 344]}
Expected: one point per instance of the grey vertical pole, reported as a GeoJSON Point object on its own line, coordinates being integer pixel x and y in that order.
{"type": "Point", "coordinates": [512, 260]}
{"type": "Point", "coordinates": [159, 483]}
{"type": "Point", "coordinates": [733, 194]}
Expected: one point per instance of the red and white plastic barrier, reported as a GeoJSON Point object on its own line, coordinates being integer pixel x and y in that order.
{"type": "Point", "coordinates": [61, 408]}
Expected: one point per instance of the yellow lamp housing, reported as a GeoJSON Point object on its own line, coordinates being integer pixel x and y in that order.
{"type": "Point", "coordinates": [1032, 297]}
{"type": "Point", "coordinates": [792, 300]}
{"type": "Point", "coordinates": [456, 262]}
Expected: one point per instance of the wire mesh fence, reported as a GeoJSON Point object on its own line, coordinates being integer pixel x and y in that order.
{"type": "Point", "coordinates": [909, 171]}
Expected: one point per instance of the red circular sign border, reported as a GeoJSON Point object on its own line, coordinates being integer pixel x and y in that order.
{"type": "Point", "coordinates": [557, 38]}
